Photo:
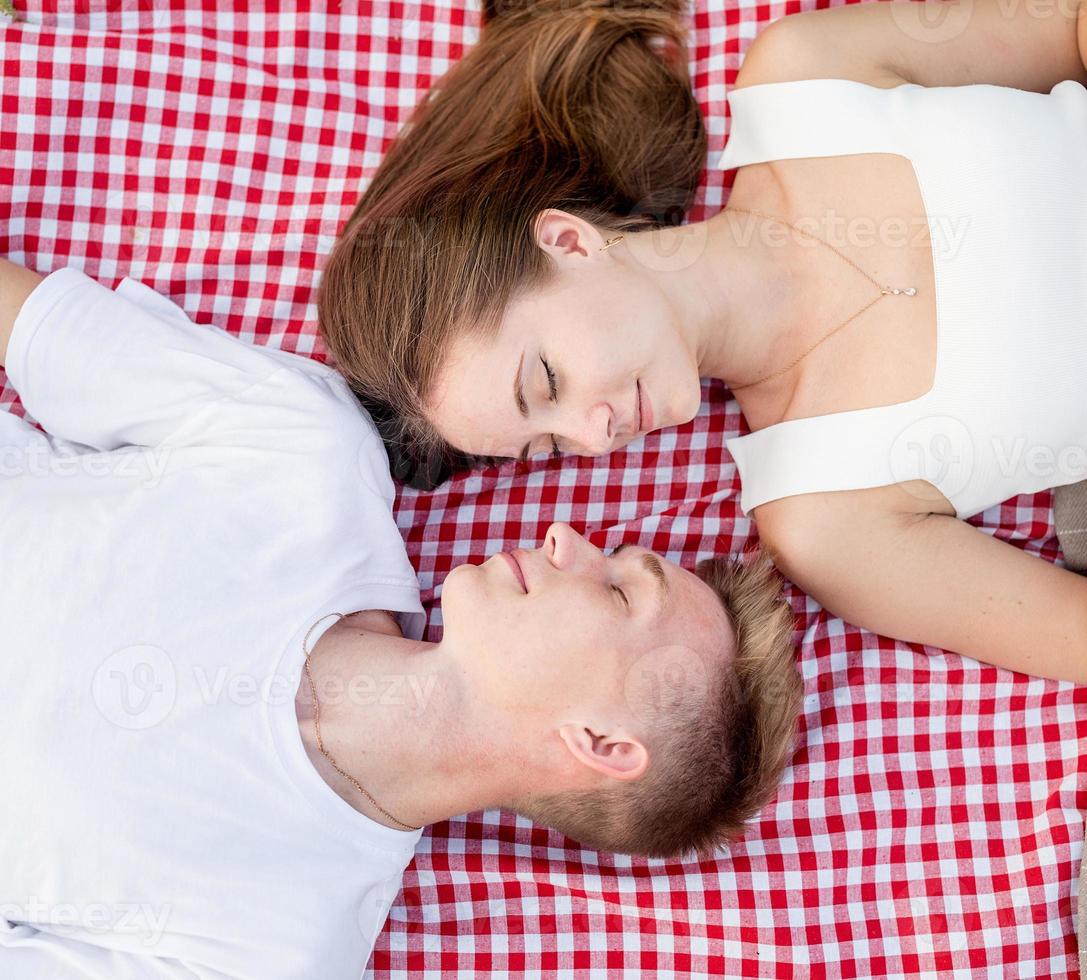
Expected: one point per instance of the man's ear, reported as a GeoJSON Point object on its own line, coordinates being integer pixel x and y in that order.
{"type": "Point", "coordinates": [611, 755]}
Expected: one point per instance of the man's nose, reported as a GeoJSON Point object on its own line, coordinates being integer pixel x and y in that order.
{"type": "Point", "coordinates": [566, 549]}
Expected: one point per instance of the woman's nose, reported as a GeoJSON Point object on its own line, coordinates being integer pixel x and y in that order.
{"type": "Point", "coordinates": [597, 431]}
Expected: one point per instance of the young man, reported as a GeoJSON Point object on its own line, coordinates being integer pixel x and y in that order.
{"type": "Point", "coordinates": [182, 797]}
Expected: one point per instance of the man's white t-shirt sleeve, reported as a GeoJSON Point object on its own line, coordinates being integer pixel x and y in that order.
{"type": "Point", "coordinates": [108, 368]}
{"type": "Point", "coordinates": [103, 368]}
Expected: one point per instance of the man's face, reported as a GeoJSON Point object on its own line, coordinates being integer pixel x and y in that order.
{"type": "Point", "coordinates": [565, 628]}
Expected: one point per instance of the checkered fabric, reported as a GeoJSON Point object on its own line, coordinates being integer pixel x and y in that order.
{"type": "Point", "coordinates": [931, 823]}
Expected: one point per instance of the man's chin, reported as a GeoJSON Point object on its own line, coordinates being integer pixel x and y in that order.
{"type": "Point", "coordinates": [458, 572]}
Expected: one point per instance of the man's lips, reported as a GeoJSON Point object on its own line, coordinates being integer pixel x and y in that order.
{"type": "Point", "coordinates": [516, 569]}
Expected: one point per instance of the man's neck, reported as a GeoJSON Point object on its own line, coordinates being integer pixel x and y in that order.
{"type": "Point", "coordinates": [392, 715]}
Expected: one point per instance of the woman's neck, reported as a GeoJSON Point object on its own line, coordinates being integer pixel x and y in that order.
{"type": "Point", "coordinates": [743, 302]}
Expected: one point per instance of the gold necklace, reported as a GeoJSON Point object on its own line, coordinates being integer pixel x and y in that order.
{"type": "Point", "coordinates": [320, 743]}
{"type": "Point", "coordinates": [883, 291]}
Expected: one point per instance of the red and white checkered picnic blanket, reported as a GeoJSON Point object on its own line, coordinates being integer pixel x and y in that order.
{"type": "Point", "coordinates": [931, 823]}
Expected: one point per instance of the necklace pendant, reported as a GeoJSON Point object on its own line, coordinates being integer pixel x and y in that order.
{"type": "Point", "coordinates": [908, 291]}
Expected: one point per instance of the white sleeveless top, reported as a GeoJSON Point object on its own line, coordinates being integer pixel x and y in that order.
{"type": "Point", "coordinates": [1003, 177]}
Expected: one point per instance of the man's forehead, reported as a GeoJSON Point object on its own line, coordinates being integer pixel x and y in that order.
{"type": "Point", "coordinates": [695, 608]}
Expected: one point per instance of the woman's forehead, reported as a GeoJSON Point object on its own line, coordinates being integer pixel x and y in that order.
{"type": "Point", "coordinates": [473, 403]}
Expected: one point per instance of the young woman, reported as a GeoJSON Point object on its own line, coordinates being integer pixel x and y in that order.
{"type": "Point", "coordinates": [493, 295]}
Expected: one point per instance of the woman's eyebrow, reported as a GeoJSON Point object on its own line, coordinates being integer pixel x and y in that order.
{"type": "Point", "coordinates": [518, 389]}
{"type": "Point", "coordinates": [522, 404]}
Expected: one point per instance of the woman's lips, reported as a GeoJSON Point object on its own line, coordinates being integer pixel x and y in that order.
{"type": "Point", "coordinates": [645, 410]}
{"type": "Point", "coordinates": [516, 569]}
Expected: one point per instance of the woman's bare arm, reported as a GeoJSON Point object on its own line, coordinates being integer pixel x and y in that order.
{"type": "Point", "coordinates": [16, 284]}
{"type": "Point", "coordinates": [1023, 44]}
{"type": "Point", "coordinates": [939, 581]}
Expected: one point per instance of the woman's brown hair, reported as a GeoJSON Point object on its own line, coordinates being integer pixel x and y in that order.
{"type": "Point", "coordinates": [584, 106]}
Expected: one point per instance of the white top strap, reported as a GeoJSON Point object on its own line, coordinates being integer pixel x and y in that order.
{"type": "Point", "coordinates": [813, 117]}
{"type": "Point", "coordinates": [853, 451]}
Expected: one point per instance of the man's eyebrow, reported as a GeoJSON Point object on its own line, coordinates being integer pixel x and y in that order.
{"type": "Point", "coordinates": [519, 399]}
{"type": "Point", "coordinates": [655, 567]}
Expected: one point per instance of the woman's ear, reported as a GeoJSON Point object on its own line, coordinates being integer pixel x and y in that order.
{"type": "Point", "coordinates": [561, 233]}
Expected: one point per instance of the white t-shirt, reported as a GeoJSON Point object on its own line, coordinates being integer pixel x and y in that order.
{"type": "Point", "coordinates": [199, 503]}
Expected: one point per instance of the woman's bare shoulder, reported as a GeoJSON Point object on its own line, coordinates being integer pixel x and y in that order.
{"type": "Point", "coordinates": [785, 51]}
{"type": "Point", "coordinates": [930, 43]}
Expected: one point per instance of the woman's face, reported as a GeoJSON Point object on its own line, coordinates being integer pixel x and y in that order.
{"type": "Point", "coordinates": [585, 366]}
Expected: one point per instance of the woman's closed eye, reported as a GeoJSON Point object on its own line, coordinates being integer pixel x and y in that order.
{"type": "Point", "coordinates": [552, 384]}
{"type": "Point", "coordinates": [553, 396]}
